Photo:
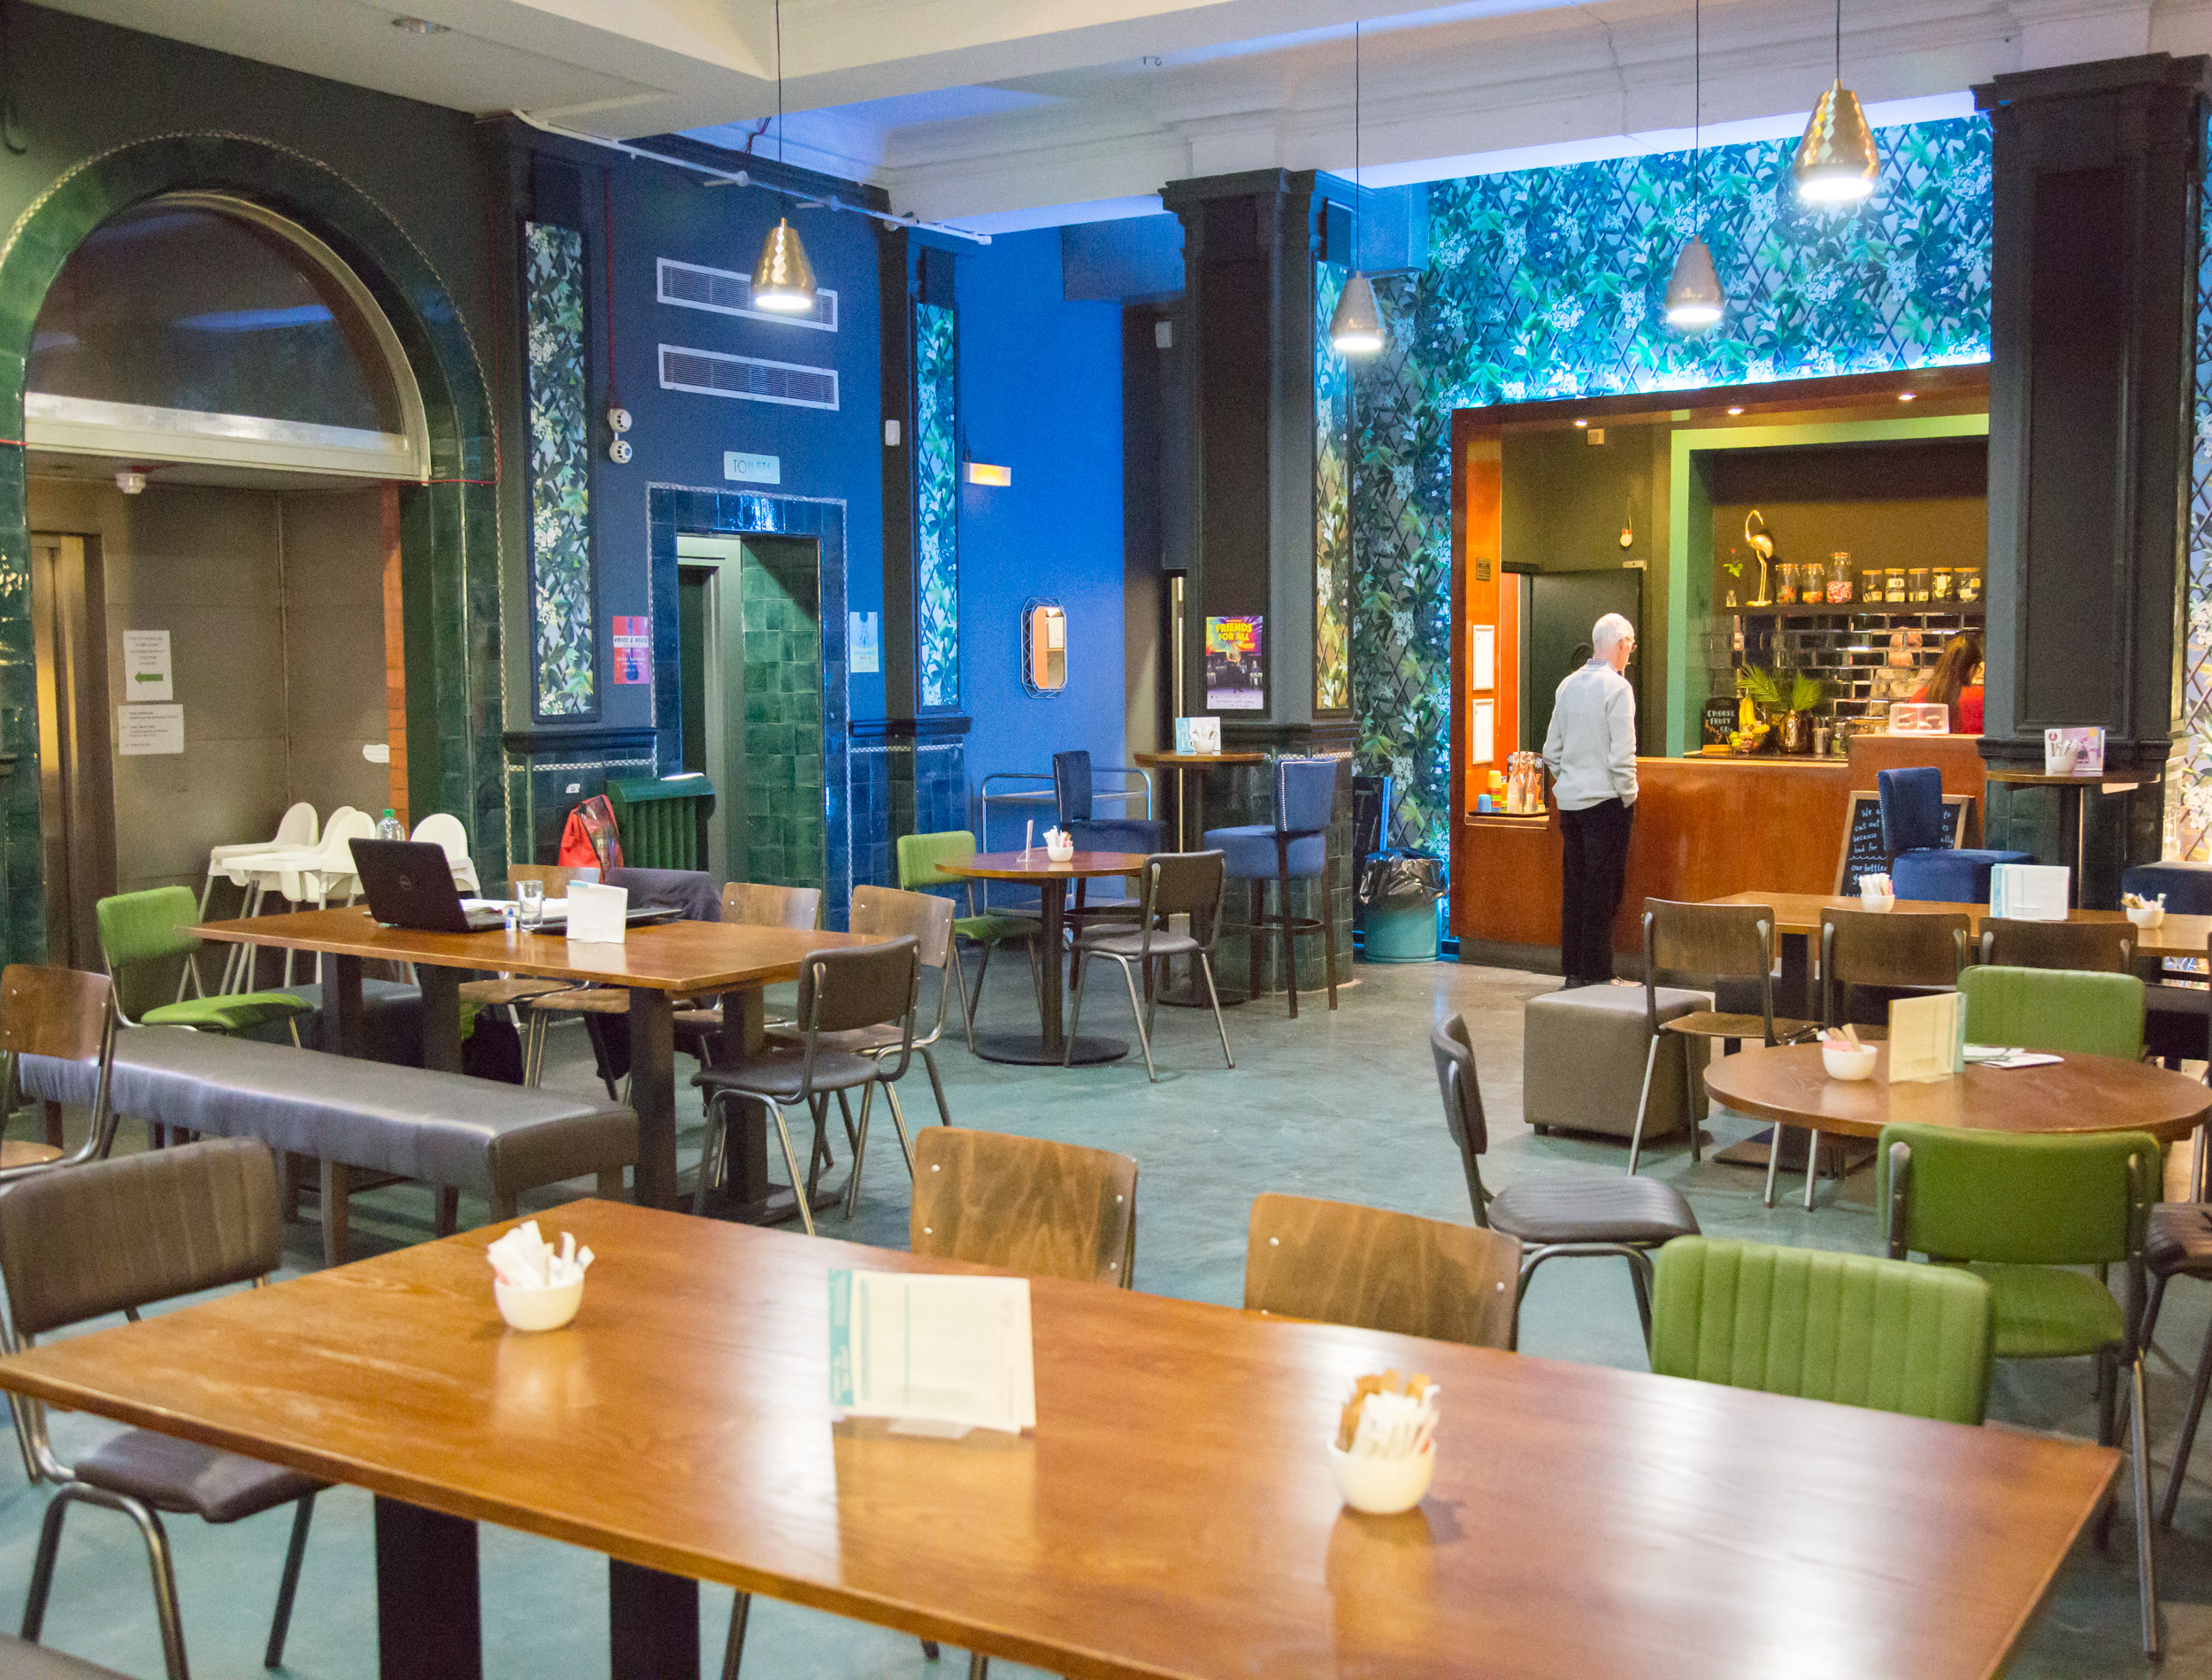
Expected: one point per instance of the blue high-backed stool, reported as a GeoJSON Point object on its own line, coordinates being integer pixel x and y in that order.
{"type": "Point", "coordinates": [1072, 798]}
{"type": "Point", "coordinates": [1921, 865]}
{"type": "Point", "coordinates": [1294, 847]}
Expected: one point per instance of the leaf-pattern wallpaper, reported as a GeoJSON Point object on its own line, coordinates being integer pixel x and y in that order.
{"type": "Point", "coordinates": [1332, 502]}
{"type": "Point", "coordinates": [1549, 282]}
{"type": "Point", "coordinates": [937, 505]}
{"type": "Point", "coordinates": [2189, 786]}
{"type": "Point", "coordinates": [560, 473]}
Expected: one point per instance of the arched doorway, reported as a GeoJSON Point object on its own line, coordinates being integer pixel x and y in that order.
{"type": "Point", "coordinates": [386, 397]}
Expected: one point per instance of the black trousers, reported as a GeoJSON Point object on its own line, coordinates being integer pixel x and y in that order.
{"type": "Point", "coordinates": [1590, 889]}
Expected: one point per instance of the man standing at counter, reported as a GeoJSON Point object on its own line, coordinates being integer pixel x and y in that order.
{"type": "Point", "coordinates": [1591, 753]}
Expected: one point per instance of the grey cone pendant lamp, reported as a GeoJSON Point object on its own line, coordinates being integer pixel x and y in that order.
{"type": "Point", "coordinates": [1695, 298]}
{"type": "Point", "coordinates": [783, 279]}
{"type": "Point", "coordinates": [1837, 162]}
{"type": "Point", "coordinates": [1357, 328]}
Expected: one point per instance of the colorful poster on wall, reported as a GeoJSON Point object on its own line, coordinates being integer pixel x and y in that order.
{"type": "Point", "coordinates": [1236, 678]}
{"type": "Point", "coordinates": [633, 649]}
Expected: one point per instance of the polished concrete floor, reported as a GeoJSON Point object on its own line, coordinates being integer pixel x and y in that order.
{"type": "Point", "coordinates": [1341, 1105]}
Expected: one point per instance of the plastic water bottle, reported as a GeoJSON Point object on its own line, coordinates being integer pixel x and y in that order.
{"type": "Point", "coordinates": [390, 828]}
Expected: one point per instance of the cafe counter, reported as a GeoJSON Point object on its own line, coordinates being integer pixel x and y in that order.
{"type": "Point", "coordinates": [1705, 827]}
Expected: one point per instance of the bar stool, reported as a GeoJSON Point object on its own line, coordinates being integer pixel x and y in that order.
{"type": "Point", "coordinates": [1294, 847]}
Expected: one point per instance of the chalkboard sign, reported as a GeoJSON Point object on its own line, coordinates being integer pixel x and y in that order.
{"type": "Point", "coordinates": [1863, 853]}
{"type": "Point", "coordinates": [1719, 721]}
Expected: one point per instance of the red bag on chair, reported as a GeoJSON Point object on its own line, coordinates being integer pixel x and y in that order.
{"type": "Point", "coordinates": [590, 839]}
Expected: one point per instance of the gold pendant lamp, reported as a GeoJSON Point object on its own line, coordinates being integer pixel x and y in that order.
{"type": "Point", "coordinates": [1695, 298]}
{"type": "Point", "coordinates": [783, 279]}
{"type": "Point", "coordinates": [1357, 328]}
{"type": "Point", "coordinates": [1837, 163]}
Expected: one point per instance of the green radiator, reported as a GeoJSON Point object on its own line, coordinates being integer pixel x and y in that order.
{"type": "Point", "coordinates": [663, 822]}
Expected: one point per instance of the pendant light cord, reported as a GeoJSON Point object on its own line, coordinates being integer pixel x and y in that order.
{"type": "Point", "coordinates": [780, 163]}
{"type": "Point", "coordinates": [1839, 41]}
{"type": "Point", "coordinates": [1697, 106]}
{"type": "Point", "coordinates": [1355, 186]}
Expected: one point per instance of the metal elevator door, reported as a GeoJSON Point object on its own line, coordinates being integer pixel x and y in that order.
{"type": "Point", "coordinates": [75, 766]}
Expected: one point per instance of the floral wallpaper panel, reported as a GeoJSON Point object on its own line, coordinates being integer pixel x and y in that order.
{"type": "Point", "coordinates": [1332, 502]}
{"type": "Point", "coordinates": [2189, 786]}
{"type": "Point", "coordinates": [937, 506]}
{"type": "Point", "coordinates": [1550, 283]}
{"type": "Point", "coordinates": [560, 461]}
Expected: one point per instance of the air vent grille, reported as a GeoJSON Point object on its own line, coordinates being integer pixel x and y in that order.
{"type": "Point", "coordinates": [722, 291]}
{"type": "Point", "coordinates": [747, 379]}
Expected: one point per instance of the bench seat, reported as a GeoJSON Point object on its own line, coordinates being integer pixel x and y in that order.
{"type": "Point", "coordinates": [492, 1139]}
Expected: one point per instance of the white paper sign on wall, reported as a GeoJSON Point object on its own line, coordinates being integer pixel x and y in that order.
{"type": "Point", "coordinates": [752, 469]}
{"type": "Point", "coordinates": [146, 672]}
{"type": "Point", "coordinates": [864, 642]}
{"type": "Point", "coordinates": [142, 731]}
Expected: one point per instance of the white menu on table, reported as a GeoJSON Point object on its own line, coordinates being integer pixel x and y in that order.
{"type": "Point", "coordinates": [941, 1355]}
{"type": "Point", "coordinates": [1927, 1037]}
{"type": "Point", "coordinates": [597, 914]}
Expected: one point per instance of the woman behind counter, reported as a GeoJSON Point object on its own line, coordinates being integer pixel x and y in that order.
{"type": "Point", "coordinates": [1956, 682]}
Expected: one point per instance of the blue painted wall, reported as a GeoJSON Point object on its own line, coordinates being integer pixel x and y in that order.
{"type": "Point", "coordinates": [1040, 392]}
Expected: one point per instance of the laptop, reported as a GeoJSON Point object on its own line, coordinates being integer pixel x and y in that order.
{"type": "Point", "coordinates": [410, 883]}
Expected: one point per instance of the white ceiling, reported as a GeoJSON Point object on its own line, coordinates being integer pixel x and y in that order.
{"type": "Point", "coordinates": [1001, 113]}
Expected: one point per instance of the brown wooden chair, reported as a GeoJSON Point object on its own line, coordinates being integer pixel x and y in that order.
{"type": "Point", "coordinates": [69, 1015]}
{"type": "Point", "coordinates": [1025, 1204]}
{"type": "Point", "coordinates": [1341, 1264]}
{"type": "Point", "coordinates": [1706, 942]}
{"type": "Point", "coordinates": [747, 904]}
{"type": "Point", "coordinates": [2099, 947]}
{"type": "Point", "coordinates": [511, 992]}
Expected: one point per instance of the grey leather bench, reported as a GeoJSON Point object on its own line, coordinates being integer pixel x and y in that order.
{"type": "Point", "coordinates": [22, 1661]}
{"type": "Point", "coordinates": [492, 1139]}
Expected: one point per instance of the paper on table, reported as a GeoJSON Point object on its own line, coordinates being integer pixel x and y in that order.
{"type": "Point", "coordinates": [596, 913]}
{"type": "Point", "coordinates": [1927, 1037]}
{"type": "Point", "coordinates": [1998, 1055]}
{"type": "Point", "coordinates": [929, 1349]}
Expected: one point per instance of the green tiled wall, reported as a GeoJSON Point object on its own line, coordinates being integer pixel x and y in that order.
{"type": "Point", "coordinates": [785, 844]}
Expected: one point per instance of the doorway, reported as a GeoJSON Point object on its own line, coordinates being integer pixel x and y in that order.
{"type": "Point", "coordinates": [750, 679]}
{"type": "Point", "coordinates": [1558, 615]}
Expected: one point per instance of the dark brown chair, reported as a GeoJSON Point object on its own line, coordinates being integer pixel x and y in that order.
{"type": "Point", "coordinates": [114, 1236]}
{"type": "Point", "coordinates": [2179, 1245]}
{"type": "Point", "coordinates": [1340, 1264]}
{"type": "Point", "coordinates": [68, 1015]}
{"type": "Point", "coordinates": [1705, 943]}
{"type": "Point", "coordinates": [1627, 1217]}
{"type": "Point", "coordinates": [839, 992]}
{"type": "Point", "coordinates": [2100, 947]}
{"type": "Point", "coordinates": [1024, 1204]}
{"type": "Point", "coordinates": [1173, 884]}
{"type": "Point", "coordinates": [745, 904]}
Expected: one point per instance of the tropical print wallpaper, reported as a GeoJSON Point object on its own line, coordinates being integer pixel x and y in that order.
{"type": "Point", "coordinates": [567, 650]}
{"type": "Point", "coordinates": [937, 506]}
{"type": "Point", "coordinates": [1332, 503]}
{"type": "Point", "coordinates": [1548, 283]}
{"type": "Point", "coordinates": [2189, 786]}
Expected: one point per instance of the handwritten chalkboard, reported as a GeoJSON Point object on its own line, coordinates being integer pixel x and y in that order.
{"type": "Point", "coordinates": [1863, 853]}
{"type": "Point", "coordinates": [1719, 719]}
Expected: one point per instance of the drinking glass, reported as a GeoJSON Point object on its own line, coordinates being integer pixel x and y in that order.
{"type": "Point", "coordinates": [531, 896]}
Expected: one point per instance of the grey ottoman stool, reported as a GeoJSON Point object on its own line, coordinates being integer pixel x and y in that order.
{"type": "Point", "coordinates": [1582, 1061]}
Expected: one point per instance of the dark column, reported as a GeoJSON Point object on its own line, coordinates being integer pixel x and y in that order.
{"type": "Point", "coordinates": [2093, 354]}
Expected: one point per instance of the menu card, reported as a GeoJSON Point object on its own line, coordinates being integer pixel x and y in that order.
{"type": "Point", "coordinates": [941, 1355]}
{"type": "Point", "coordinates": [596, 913]}
{"type": "Point", "coordinates": [1927, 1037]}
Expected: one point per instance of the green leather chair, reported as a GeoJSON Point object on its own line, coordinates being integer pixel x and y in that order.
{"type": "Point", "coordinates": [141, 928]}
{"type": "Point", "coordinates": [2023, 1212]}
{"type": "Point", "coordinates": [919, 854]}
{"type": "Point", "coordinates": [1821, 1325]}
{"type": "Point", "coordinates": [2060, 1010]}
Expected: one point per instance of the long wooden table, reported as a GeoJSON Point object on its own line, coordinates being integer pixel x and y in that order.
{"type": "Point", "coordinates": [1172, 1514]}
{"type": "Point", "coordinates": [659, 964]}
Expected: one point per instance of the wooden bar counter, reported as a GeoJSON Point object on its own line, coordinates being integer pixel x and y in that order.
{"type": "Point", "coordinates": [1705, 827]}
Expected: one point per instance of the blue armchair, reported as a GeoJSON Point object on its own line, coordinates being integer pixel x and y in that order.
{"type": "Point", "coordinates": [1922, 866]}
{"type": "Point", "coordinates": [1293, 847]}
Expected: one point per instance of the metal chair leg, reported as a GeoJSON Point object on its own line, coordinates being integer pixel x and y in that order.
{"type": "Point", "coordinates": [1257, 929]}
{"type": "Point", "coordinates": [165, 1574]}
{"type": "Point", "coordinates": [1639, 1275]}
{"type": "Point", "coordinates": [717, 1124]}
{"type": "Point", "coordinates": [734, 1648]}
{"type": "Point", "coordinates": [288, 1588]}
{"type": "Point", "coordinates": [801, 1187]}
{"type": "Point", "coordinates": [860, 1148]}
{"type": "Point", "coordinates": [936, 1085]}
{"type": "Point", "coordinates": [1812, 1167]}
{"type": "Point", "coordinates": [1289, 936]}
{"type": "Point", "coordinates": [1137, 1010]}
{"type": "Point", "coordinates": [1643, 1106]}
{"type": "Point", "coordinates": [2188, 1424]}
{"type": "Point", "coordinates": [1206, 966]}
{"type": "Point", "coordinates": [898, 1124]}
{"type": "Point", "coordinates": [42, 1567]}
{"type": "Point", "coordinates": [1328, 931]}
{"type": "Point", "coordinates": [1082, 966]}
{"type": "Point", "coordinates": [2145, 1548]}
{"type": "Point", "coordinates": [978, 1666]}
{"type": "Point", "coordinates": [981, 969]}
{"type": "Point", "coordinates": [1689, 1098]}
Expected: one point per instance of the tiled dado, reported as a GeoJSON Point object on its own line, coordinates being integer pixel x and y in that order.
{"type": "Point", "coordinates": [799, 774]}
{"type": "Point", "coordinates": [909, 777]}
{"type": "Point", "coordinates": [449, 575]}
{"type": "Point", "coordinates": [1238, 795]}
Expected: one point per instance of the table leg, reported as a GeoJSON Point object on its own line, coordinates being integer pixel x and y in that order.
{"type": "Point", "coordinates": [429, 1618]}
{"type": "Point", "coordinates": [345, 1024]}
{"type": "Point", "coordinates": [652, 1623]}
{"type": "Point", "coordinates": [653, 1094]}
{"type": "Point", "coordinates": [1049, 1045]}
{"type": "Point", "coordinates": [441, 1017]}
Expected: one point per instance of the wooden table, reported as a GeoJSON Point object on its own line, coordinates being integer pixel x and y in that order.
{"type": "Point", "coordinates": [659, 964]}
{"type": "Point", "coordinates": [1171, 1515]}
{"type": "Point", "coordinates": [1051, 1045]}
{"type": "Point", "coordinates": [1182, 763]}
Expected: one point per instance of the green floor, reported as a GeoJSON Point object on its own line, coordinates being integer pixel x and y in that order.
{"type": "Point", "coordinates": [1341, 1105]}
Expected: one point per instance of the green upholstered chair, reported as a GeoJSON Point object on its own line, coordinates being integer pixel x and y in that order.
{"type": "Point", "coordinates": [919, 854]}
{"type": "Point", "coordinates": [2023, 1212]}
{"type": "Point", "coordinates": [139, 929]}
{"type": "Point", "coordinates": [2060, 1010]}
{"type": "Point", "coordinates": [1847, 1328]}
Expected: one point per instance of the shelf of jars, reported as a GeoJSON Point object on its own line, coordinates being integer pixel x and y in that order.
{"type": "Point", "coordinates": [1865, 657]}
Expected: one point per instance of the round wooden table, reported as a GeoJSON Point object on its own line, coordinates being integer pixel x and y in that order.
{"type": "Point", "coordinates": [1051, 1045]}
{"type": "Point", "coordinates": [1787, 1085]}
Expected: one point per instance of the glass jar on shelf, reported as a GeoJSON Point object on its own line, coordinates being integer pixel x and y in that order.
{"type": "Point", "coordinates": [1893, 586]}
{"type": "Point", "coordinates": [1840, 578]}
{"type": "Point", "coordinates": [1870, 586]}
{"type": "Point", "coordinates": [1968, 583]}
{"type": "Point", "coordinates": [1940, 586]}
{"type": "Point", "coordinates": [1785, 585]}
{"type": "Point", "coordinates": [1916, 585]}
{"type": "Point", "coordinates": [1812, 583]}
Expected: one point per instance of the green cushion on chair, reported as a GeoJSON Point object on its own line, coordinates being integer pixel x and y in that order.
{"type": "Point", "coordinates": [919, 856]}
{"type": "Point", "coordinates": [143, 927]}
{"type": "Point", "coordinates": [993, 930]}
{"type": "Point", "coordinates": [1847, 1328]}
{"type": "Point", "coordinates": [2060, 1010]}
{"type": "Point", "coordinates": [239, 1012]}
{"type": "Point", "coordinates": [2045, 1312]}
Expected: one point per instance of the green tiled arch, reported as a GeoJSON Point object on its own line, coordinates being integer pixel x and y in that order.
{"type": "Point", "coordinates": [450, 531]}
